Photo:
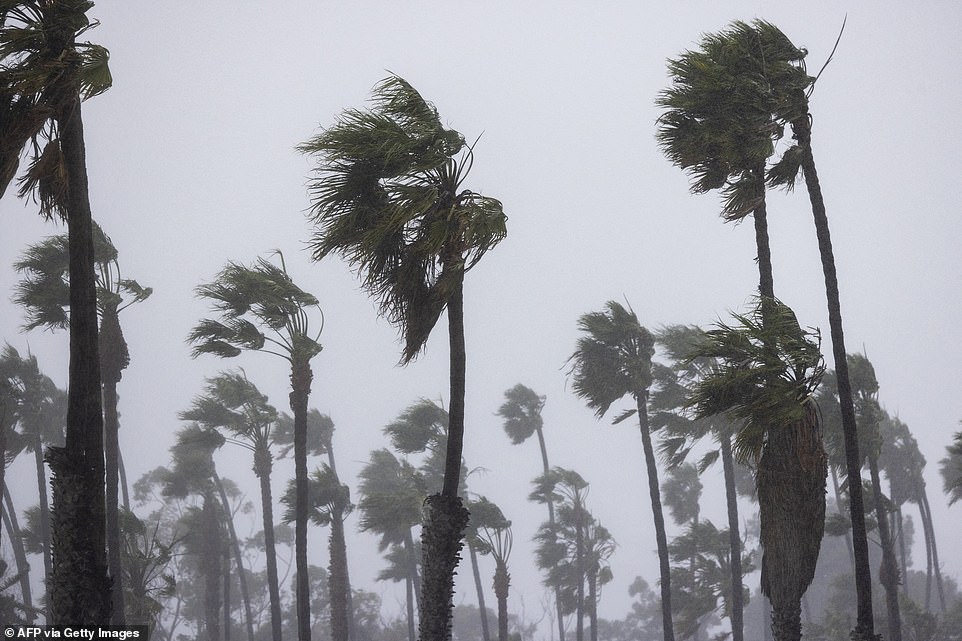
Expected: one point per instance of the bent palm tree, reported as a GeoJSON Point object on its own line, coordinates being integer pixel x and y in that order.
{"type": "Point", "coordinates": [262, 309]}
{"type": "Point", "coordinates": [233, 404]}
{"type": "Point", "coordinates": [45, 73]}
{"type": "Point", "coordinates": [612, 360]}
{"type": "Point", "coordinates": [44, 293]}
{"type": "Point", "coordinates": [768, 370]}
{"type": "Point", "coordinates": [388, 196]}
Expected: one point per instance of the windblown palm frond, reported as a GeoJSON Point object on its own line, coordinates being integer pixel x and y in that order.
{"type": "Point", "coordinates": [387, 197]}
{"type": "Point", "coordinates": [327, 497]}
{"type": "Point", "coordinates": [231, 402]}
{"type": "Point", "coordinates": [521, 412]}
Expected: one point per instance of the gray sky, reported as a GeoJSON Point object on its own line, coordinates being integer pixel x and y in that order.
{"type": "Point", "coordinates": [192, 163]}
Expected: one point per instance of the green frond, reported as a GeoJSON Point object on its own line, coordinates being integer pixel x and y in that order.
{"type": "Point", "coordinates": [423, 425]}
{"type": "Point", "coordinates": [94, 74]}
{"type": "Point", "coordinates": [521, 412]}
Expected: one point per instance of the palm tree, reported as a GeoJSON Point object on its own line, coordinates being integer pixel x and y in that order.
{"type": "Point", "coordinates": [490, 533]}
{"type": "Point", "coordinates": [330, 502]}
{"type": "Point", "coordinates": [388, 197]}
{"type": "Point", "coordinates": [951, 469]}
{"type": "Point", "coordinates": [44, 293]}
{"type": "Point", "coordinates": [521, 412]}
{"type": "Point", "coordinates": [234, 405]}
{"type": "Point", "coordinates": [768, 370]}
{"type": "Point", "coordinates": [44, 75]}
{"type": "Point", "coordinates": [613, 359]}
{"type": "Point", "coordinates": [262, 309]}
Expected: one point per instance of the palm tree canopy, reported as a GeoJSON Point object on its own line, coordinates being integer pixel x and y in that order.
{"type": "Point", "coordinates": [44, 289]}
{"type": "Point", "coordinates": [31, 400]}
{"type": "Point", "coordinates": [320, 432]}
{"type": "Point", "coordinates": [387, 196]}
{"type": "Point", "coordinates": [612, 358]}
{"type": "Point", "coordinates": [192, 462]}
{"type": "Point", "coordinates": [422, 426]}
{"type": "Point", "coordinates": [42, 68]}
{"type": "Point", "coordinates": [250, 299]}
{"type": "Point", "coordinates": [951, 469]}
{"type": "Point", "coordinates": [767, 373]}
{"type": "Point", "coordinates": [521, 412]}
{"type": "Point", "coordinates": [392, 492]}
{"type": "Point", "coordinates": [231, 402]}
{"type": "Point", "coordinates": [327, 497]}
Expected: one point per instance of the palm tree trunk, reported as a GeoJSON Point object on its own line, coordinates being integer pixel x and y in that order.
{"type": "Point", "coordinates": [338, 523]}
{"type": "Point", "coordinates": [409, 594]}
{"type": "Point", "coordinates": [935, 549]}
{"type": "Point", "coordinates": [593, 603]}
{"type": "Point", "coordinates": [270, 548]}
{"type": "Point", "coordinates": [238, 557]}
{"type": "Point", "coordinates": [226, 579]}
{"type": "Point", "coordinates": [502, 583]}
{"type": "Point", "coordinates": [479, 589]}
{"type": "Point", "coordinates": [301, 378]}
{"type": "Point", "coordinates": [124, 487]}
{"type": "Point", "coordinates": [210, 565]}
{"type": "Point", "coordinates": [446, 516]}
{"type": "Point", "coordinates": [112, 451]}
{"type": "Point", "coordinates": [550, 503]}
{"type": "Point", "coordinates": [888, 573]}
{"type": "Point", "coordinates": [928, 556]}
{"type": "Point", "coordinates": [338, 585]}
{"type": "Point", "coordinates": [580, 571]}
{"type": "Point", "coordinates": [19, 553]}
{"type": "Point", "coordinates": [734, 538]}
{"type": "Point", "coordinates": [44, 513]}
{"type": "Point", "coordinates": [838, 506]}
{"type": "Point", "coordinates": [658, 517]}
{"type": "Point", "coordinates": [79, 587]}
{"type": "Point", "coordinates": [902, 554]}
{"type": "Point", "coordinates": [865, 627]}
{"type": "Point", "coordinates": [766, 280]}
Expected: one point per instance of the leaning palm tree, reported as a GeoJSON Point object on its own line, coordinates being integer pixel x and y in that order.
{"type": "Point", "coordinates": [45, 73]}
{"type": "Point", "coordinates": [262, 309]}
{"type": "Point", "coordinates": [388, 196]}
{"type": "Point", "coordinates": [44, 293]}
{"type": "Point", "coordinates": [612, 360]}
{"type": "Point", "coordinates": [233, 405]}
{"type": "Point", "coordinates": [768, 370]}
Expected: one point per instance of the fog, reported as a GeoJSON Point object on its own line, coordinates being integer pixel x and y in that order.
{"type": "Point", "coordinates": [192, 163]}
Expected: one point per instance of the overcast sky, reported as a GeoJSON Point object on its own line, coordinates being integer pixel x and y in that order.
{"type": "Point", "coordinates": [192, 163]}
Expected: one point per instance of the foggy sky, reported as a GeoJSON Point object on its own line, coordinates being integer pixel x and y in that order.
{"type": "Point", "coordinates": [192, 163]}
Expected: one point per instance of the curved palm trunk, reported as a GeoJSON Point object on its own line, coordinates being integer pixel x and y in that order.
{"type": "Point", "coordinates": [502, 584]}
{"type": "Point", "coordinates": [44, 512]}
{"type": "Point", "coordinates": [238, 557]}
{"type": "Point", "coordinates": [124, 486]}
{"type": "Point", "coordinates": [19, 553]}
{"type": "Point", "coordinates": [734, 538]}
{"type": "Point", "coordinates": [865, 628]}
{"type": "Point", "coordinates": [927, 523]}
{"type": "Point", "coordinates": [446, 516]}
{"type": "Point", "coordinates": [301, 378]}
{"type": "Point", "coordinates": [79, 588]}
{"type": "Point", "coordinates": [658, 517]}
{"type": "Point", "coordinates": [479, 589]}
{"type": "Point", "coordinates": [791, 498]}
{"type": "Point", "coordinates": [888, 573]}
{"type": "Point", "coordinates": [551, 521]}
{"type": "Point", "coordinates": [262, 465]}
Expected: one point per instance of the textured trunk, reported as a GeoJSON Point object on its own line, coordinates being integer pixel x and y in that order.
{"type": "Point", "coordinates": [301, 378]}
{"type": "Point", "coordinates": [226, 579]}
{"type": "Point", "coordinates": [44, 514]}
{"type": "Point", "coordinates": [550, 503]}
{"type": "Point", "coordinates": [338, 585]}
{"type": "Point", "coordinates": [888, 572]}
{"type": "Point", "coordinates": [345, 582]}
{"type": "Point", "coordinates": [441, 537]}
{"type": "Point", "coordinates": [734, 538]}
{"type": "Point", "coordinates": [262, 458]}
{"type": "Point", "coordinates": [658, 516]}
{"type": "Point", "coordinates": [112, 449]}
{"type": "Point", "coordinates": [479, 589]}
{"type": "Point", "coordinates": [902, 554]}
{"type": "Point", "coordinates": [409, 596]}
{"type": "Point", "coordinates": [79, 587]}
{"type": "Point", "coordinates": [211, 569]}
{"type": "Point", "coordinates": [766, 279]}
{"type": "Point", "coordinates": [865, 627]}
{"type": "Point", "coordinates": [19, 553]}
{"type": "Point", "coordinates": [593, 603]}
{"type": "Point", "coordinates": [238, 557]}
{"type": "Point", "coordinates": [791, 498]}
{"type": "Point", "coordinates": [502, 583]}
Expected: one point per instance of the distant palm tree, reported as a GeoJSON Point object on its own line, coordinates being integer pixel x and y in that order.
{"type": "Point", "coordinates": [490, 533]}
{"type": "Point", "coordinates": [234, 406]}
{"type": "Point", "coordinates": [389, 197]}
{"type": "Point", "coordinates": [45, 73]}
{"type": "Point", "coordinates": [951, 469]}
{"type": "Point", "coordinates": [768, 370]}
{"type": "Point", "coordinates": [262, 309]}
{"type": "Point", "coordinates": [44, 293]}
{"type": "Point", "coordinates": [612, 360]}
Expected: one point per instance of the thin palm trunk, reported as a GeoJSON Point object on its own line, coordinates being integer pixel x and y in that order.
{"type": "Point", "coordinates": [79, 587]}
{"type": "Point", "coordinates": [112, 452]}
{"type": "Point", "coordinates": [502, 583]}
{"type": "Point", "coordinates": [226, 579]}
{"type": "Point", "coordinates": [865, 627]}
{"type": "Point", "coordinates": [210, 564]}
{"type": "Point", "coordinates": [734, 538]}
{"type": "Point", "coordinates": [593, 603]}
{"type": "Point", "coordinates": [902, 554]}
{"type": "Point", "coordinates": [928, 556]}
{"type": "Point", "coordinates": [658, 517]}
{"type": "Point", "coordinates": [888, 573]}
{"type": "Point", "coordinates": [409, 596]}
{"type": "Point", "coordinates": [341, 596]}
{"type": "Point", "coordinates": [927, 523]}
{"type": "Point", "coordinates": [551, 522]}
{"type": "Point", "coordinates": [441, 537]}
{"type": "Point", "coordinates": [19, 553]}
{"type": "Point", "coordinates": [580, 570]}
{"type": "Point", "coordinates": [270, 548]}
{"type": "Point", "coordinates": [124, 487]}
{"type": "Point", "coordinates": [238, 557]}
{"type": "Point", "coordinates": [838, 506]}
{"type": "Point", "coordinates": [301, 378]}
{"type": "Point", "coordinates": [479, 589]}
{"type": "Point", "coordinates": [44, 512]}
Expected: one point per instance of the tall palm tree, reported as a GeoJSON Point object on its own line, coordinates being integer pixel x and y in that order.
{"type": "Point", "coordinates": [388, 196]}
{"type": "Point", "coordinates": [262, 309]}
{"type": "Point", "coordinates": [491, 534]}
{"type": "Point", "coordinates": [233, 405]}
{"type": "Point", "coordinates": [768, 370]}
{"type": "Point", "coordinates": [521, 412]}
{"type": "Point", "coordinates": [45, 74]}
{"type": "Point", "coordinates": [44, 293]}
{"type": "Point", "coordinates": [612, 360]}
